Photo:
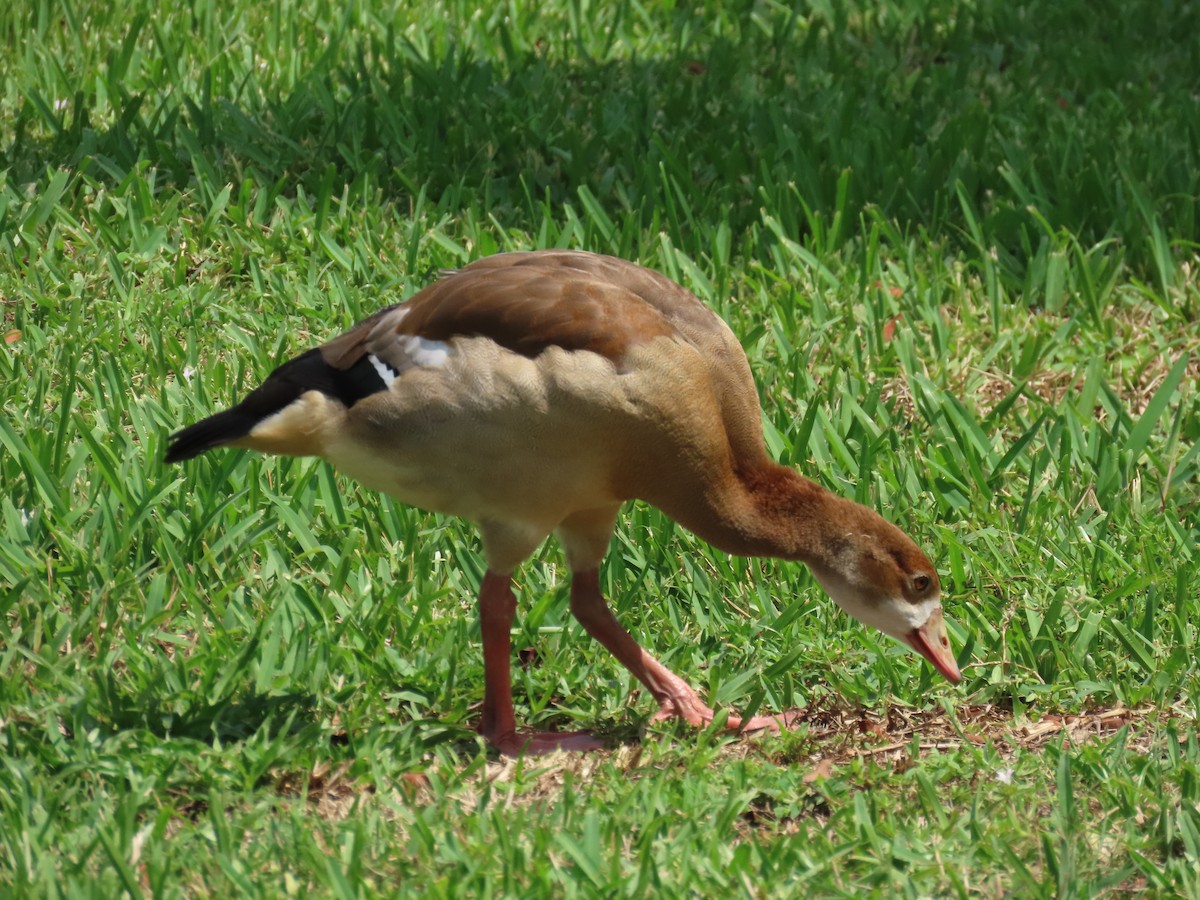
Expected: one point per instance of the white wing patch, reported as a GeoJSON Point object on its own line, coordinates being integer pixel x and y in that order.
{"type": "Point", "coordinates": [404, 352]}
{"type": "Point", "coordinates": [425, 352]}
{"type": "Point", "coordinates": [384, 370]}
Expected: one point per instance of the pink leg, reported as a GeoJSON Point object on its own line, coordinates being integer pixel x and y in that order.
{"type": "Point", "coordinates": [497, 607]}
{"type": "Point", "coordinates": [675, 698]}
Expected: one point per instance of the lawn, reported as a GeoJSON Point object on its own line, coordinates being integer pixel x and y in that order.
{"type": "Point", "coordinates": [959, 243]}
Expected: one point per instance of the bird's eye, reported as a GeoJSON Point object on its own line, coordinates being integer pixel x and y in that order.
{"type": "Point", "coordinates": [921, 583]}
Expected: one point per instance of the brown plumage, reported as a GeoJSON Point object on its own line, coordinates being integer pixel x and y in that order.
{"type": "Point", "coordinates": [535, 393]}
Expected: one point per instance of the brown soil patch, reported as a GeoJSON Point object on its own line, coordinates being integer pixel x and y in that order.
{"type": "Point", "coordinates": [831, 736]}
{"type": "Point", "coordinates": [841, 734]}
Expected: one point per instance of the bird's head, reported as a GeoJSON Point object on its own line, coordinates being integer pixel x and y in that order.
{"type": "Point", "coordinates": [878, 575]}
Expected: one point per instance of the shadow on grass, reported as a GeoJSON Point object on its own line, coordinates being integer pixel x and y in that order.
{"type": "Point", "coordinates": [1037, 133]}
{"type": "Point", "coordinates": [226, 720]}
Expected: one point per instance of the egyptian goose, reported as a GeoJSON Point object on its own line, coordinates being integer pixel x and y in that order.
{"type": "Point", "coordinates": [537, 392]}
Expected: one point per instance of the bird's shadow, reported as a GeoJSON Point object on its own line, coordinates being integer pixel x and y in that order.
{"type": "Point", "coordinates": [245, 717]}
{"type": "Point", "coordinates": [225, 720]}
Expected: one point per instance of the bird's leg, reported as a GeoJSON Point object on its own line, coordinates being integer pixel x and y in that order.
{"type": "Point", "coordinates": [497, 608]}
{"type": "Point", "coordinates": [675, 698]}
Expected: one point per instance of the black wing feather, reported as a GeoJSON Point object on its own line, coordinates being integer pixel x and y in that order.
{"type": "Point", "coordinates": [307, 372]}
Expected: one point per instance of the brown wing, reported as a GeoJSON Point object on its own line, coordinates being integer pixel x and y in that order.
{"type": "Point", "coordinates": [730, 379]}
{"type": "Point", "coordinates": [675, 303]}
{"type": "Point", "coordinates": [529, 301]}
{"type": "Point", "coordinates": [525, 302]}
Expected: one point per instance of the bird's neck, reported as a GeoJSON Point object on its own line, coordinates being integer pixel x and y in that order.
{"type": "Point", "coordinates": [768, 510]}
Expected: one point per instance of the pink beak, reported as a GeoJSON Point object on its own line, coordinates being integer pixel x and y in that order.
{"type": "Point", "coordinates": [931, 641]}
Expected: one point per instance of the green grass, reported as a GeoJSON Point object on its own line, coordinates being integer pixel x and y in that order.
{"type": "Point", "coordinates": [959, 242]}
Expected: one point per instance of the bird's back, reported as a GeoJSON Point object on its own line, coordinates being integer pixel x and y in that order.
{"type": "Point", "coordinates": [692, 322]}
{"type": "Point", "coordinates": [532, 383]}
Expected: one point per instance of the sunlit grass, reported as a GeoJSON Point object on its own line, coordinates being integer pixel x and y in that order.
{"type": "Point", "coordinates": [960, 252]}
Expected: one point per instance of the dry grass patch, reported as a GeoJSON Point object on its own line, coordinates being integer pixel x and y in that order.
{"type": "Point", "coordinates": [830, 736]}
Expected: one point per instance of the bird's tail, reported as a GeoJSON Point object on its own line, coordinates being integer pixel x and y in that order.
{"type": "Point", "coordinates": [206, 434]}
{"type": "Point", "coordinates": [281, 388]}
{"type": "Point", "coordinates": [282, 415]}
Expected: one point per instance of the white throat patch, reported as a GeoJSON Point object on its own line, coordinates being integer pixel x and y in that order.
{"type": "Point", "coordinates": [891, 615]}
